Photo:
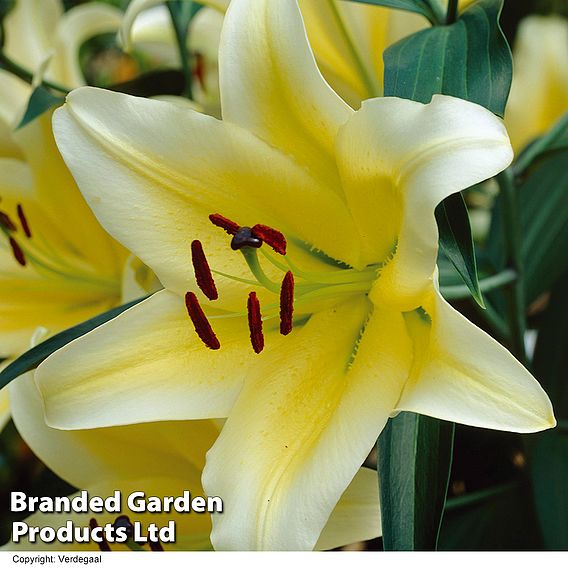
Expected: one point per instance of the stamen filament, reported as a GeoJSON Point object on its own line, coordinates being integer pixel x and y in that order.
{"type": "Point", "coordinates": [255, 323]}
{"type": "Point", "coordinates": [200, 322]}
{"type": "Point", "coordinates": [251, 257]}
{"type": "Point", "coordinates": [203, 274]}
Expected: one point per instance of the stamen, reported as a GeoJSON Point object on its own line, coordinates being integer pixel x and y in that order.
{"type": "Point", "coordinates": [24, 222]}
{"type": "Point", "coordinates": [6, 222]}
{"type": "Point", "coordinates": [103, 544]}
{"type": "Point", "coordinates": [286, 303]}
{"type": "Point", "coordinates": [255, 323]}
{"type": "Point", "coordinates": [17, 252]}
{"type": "Point", "coordinates": [229, 226]}
{"type": "Point", "coordinates": [156, 546]}
{"type": "Point", "coordinates": [245, 238]}
{"type": "Point", "coordinates": [202, 271]}
{"type": "Point", "coordinates": [271, 237]}
{"type": "Point", "coordinates": [200, 323]}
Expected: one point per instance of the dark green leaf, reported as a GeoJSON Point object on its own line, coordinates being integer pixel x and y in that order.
{"type": "Point", "coordinates": [415, 454]}
{"type": "Point", "coordinates": [549, 450]}
{"type": "Point", "coordinates": [498, 518]}
{"type": "Point", "coordinates": [35, 356]}
{"type": "Point", "coordinates": [457, 243]}
{"type": "Point", "coordinates": [543, 202]}
{"type": "Point", "coordinates": [469, 59]}
{"type": "Point", "coordinates": [40, 101]}
{"type": "Point", "coordinates": [429, 10]}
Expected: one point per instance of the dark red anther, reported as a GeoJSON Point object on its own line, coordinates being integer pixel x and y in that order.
{"type": "Point", "coordinates": [271, 237]}
{"type": "Point", "coordinates": [103, 544]}
{"type": "Point", "coordinates": [6, 222]}
{"type": "Point", "coordinates": [255, 323]}
{"type": "Point", "coordinates": [286, 303]}
{"type": "Point", "coordinates": [200, 322]}
{"type": "Point", "coordinates": [17, 252]}
{"type": "Point", "coordinates": [219, 221]}
{"type": "Point", "coordinates": [156, 546]}
{"type": "Point", "coordinates": [24, 222]}
{"type": "Point", "coordinates": [202, 271]}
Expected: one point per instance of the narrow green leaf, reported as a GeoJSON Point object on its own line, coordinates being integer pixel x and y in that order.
{"type": "Point", "coordinates": [457, 242]}
{"type": "Point", "coordinates": [415, 454]}
{"type": "Point", "coordinates": [35, 356]}
{"type": "Point", "coordinates": [543, 202]}
{"type": "Point", "coordinates": [40, 101]}
{"type": "Point", "coordinates": [469, 59]}
{"type": "Point", "coordinates": [430, 10]}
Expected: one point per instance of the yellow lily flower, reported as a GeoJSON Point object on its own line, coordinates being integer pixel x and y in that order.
{"type": "Point", "coordinates": [539, 93]}
{"type": "Point", "coordinates": [350, 198]}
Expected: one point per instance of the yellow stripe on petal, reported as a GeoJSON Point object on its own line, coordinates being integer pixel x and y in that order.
{"type": "Point", "coordinates": [463, 375]}
{"type": "Point", "coordinates": [276, 91]}
{"type": "Point", "coordinates": [306, 406]}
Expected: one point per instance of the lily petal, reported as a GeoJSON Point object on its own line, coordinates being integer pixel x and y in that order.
{"type": "Point", "coordinates": [463, 375]}
{"type": "Point", "coordinates": [176, 167]}
{"type": "Point", "coordinates": [13, 92]}
{"type": "Point", "coordinates": [145, 365]}
{"type": "Point", "coordinates": [87, 457]}
{"type": "Point", "coordinates": [356, 516]}
{"type": "Point", "coordinates": [37, 23]}
{"type": "Point", "coordinates": [398, 160]}
{"type": "Point", "coordinates": [301, 410]}
{"type": "Point", "coordinates": [277, 91]}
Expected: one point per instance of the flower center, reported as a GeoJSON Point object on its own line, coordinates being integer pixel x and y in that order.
{"type": "Point", "coordinates": [296, 288]}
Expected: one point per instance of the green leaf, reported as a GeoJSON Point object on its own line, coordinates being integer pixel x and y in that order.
{"type": "Point", "coordinates": [498, 518]}
{"type": "Point", "coordinates": [469, 59]}
{"type": "Point", "coordinates": [457, 243]}
{"type": "Point", "coordinates": [549, 450]}
{"type": "Point", "coordinates": [36, 355]}
{"type": "Point", "coordinates": [40, 101]}
{"type": "Point", "coordinates": [415, 454]}
{"type": "Point", "coordinates": [430, 10]}
{"type": "Point", "coordinates": [543, 202]}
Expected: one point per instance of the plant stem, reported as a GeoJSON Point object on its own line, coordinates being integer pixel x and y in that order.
{"type": "Point", "coordinates": [11, 66]}
{"type": "Point", "coordinates": [515, 290]}
{"type": "Point", "coordinates": [452, 13]}
{"type": "Point", "coordinates": [486, 284]}
{"type": "Point", "coordinates": [181, 40]}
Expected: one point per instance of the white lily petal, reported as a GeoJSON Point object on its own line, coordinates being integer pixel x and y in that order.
{"type": "Point", "coordinates": [303, 409]}
{"type": "Point", "coordinates": [30, 29]}
{"type": "Point", "coordinates": [145, 365]}
{"type": "Point", "coordinates": [135, 7]}
{"type": "Point", "coordinates": [277, 91]}
{"type": "Point", "coordinates": [5, 413]}
{"type": "Point", "coordinates": [356, 516]}
{"type": "Point", "coordinates": [463, 375]}
{"type": "Point", "coordinates": [87, 457]}
{"type": "Point", "coordinates": [398, 160]}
